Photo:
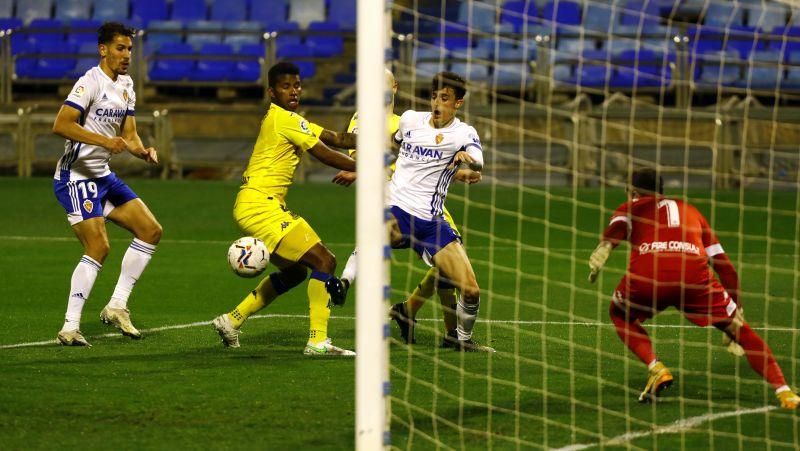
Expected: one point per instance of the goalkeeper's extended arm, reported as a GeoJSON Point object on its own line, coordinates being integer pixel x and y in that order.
{"type": "Point", "coordinates": [614, 233]}
{"type": "Point", "coordinates": [727, 275]}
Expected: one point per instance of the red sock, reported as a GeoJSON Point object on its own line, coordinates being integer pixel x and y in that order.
{"type": "Point", "coordinates": [760, 356]}
{"type": "Point", "coordinates": [633, 335]}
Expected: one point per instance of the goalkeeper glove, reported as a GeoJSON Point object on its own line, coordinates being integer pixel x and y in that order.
{"type": "Point", "coordinates": [733, 347]}
{"type": "Point", "coordinates": [598, 259]}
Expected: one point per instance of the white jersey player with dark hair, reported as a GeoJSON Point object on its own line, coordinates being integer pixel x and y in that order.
{"type": "Point", "coordinates": [98, 120]}
{"type": "Point", "coordinates": [432, 147]}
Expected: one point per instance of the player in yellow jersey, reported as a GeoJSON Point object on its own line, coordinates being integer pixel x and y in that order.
{"type": "Point", "coordinates": [261, 211]}
{"type": "Point", "coordinates": [404, 313]}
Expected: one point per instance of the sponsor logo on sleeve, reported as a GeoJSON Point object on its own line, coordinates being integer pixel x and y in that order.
{"type": "Point", "coordinates": [304, 126]}
{"type": "Point", "coordinates": [78, 91]}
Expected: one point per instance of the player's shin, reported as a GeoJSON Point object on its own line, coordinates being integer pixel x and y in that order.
{"type": "Point", "coordinates": [349, 273]}
{"type": "Point", "coordinates": [134, 262]}
{"type": "Point", "coordinates": [422, 293]}
{"type": "Point", "coordinates": [319, 308]}
{"type": "Point", "coordinates": [83, 278]}
{"type": "Point", "coordinates": [760, 357]}
{"type": "Point", "coordinates": [466, 314]}
{"type": "Point", "coordinates": [449, 299]}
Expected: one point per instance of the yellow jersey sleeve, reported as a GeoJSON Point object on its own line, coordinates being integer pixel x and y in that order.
{"type": "Point", "coordinates": [392, 125]}
{"type": "Point", "coordinates": [352, 127]}
{"type": "Point", "coordinates": [298, 131]}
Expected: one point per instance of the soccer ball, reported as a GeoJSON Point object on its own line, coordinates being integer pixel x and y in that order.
{"type": "Point", "coordinates": [248, 256]}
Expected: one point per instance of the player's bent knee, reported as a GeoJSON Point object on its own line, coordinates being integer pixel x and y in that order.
{"type": "Point", "coordinates": [98, 249]}
{"type": "Point", "coordinates": [471, 294]}
{"type": "Point", "coordinates": [154, 234]}
{"type": "Point", "coordinates": [285, 280]}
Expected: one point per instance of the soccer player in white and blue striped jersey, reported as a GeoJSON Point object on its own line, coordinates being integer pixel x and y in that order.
{"type": "Point", "coordinates": [98, 120]}
{"type": "Point", "coordinates": [433, 145]}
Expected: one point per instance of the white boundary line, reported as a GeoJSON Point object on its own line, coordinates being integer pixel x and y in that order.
{"type": "Point", "coordinates": [674, 428]}
{"type": "Point", "coordinates": [352, 318]}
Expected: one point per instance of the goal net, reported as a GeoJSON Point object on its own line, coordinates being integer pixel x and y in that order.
{"type": "Point", "coordinates": [568, 98]}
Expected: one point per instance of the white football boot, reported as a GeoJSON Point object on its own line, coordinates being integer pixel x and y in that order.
{"type": "Point", "coordinates": [226, 331]}
{"type": "Point", "coordinates": [72, 338]}
{"type": "Point", "coordinates": [326, 348]}
{"type": "Point", "coordinates": [121, 319]}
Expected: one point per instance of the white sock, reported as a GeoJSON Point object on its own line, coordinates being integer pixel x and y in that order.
{"type": "Point", "coordinates": [349, 273]}
{"type": "Point", "coordinates": [134, 262]}
{"type": "Point", "coordinates": [782, 389]}
{"type": "Point", "coordinates": [79, 290]}
{"type": "Point", "coordinates": [466, 315]}
{"type": "Point", "coordinates": [652, 364]}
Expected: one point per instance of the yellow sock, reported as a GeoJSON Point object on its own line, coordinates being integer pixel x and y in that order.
{"type": "Point", "coordinates": [319, 312]}
{"type": "Point", "coordinates": [255, 301]}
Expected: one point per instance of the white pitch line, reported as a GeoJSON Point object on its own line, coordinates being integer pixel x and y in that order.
{"type": "Point", "coordinates": [674, 428]}
{"type": "Point", "coordinates": [352, 318]}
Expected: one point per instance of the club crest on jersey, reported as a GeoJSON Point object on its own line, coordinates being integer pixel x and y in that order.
{"type": "Point", "coordinates": [88, 205]}
{"type": "Point", "coordinates": [125, 95]}
{"type": "Point", "coordinates": [439, 138]}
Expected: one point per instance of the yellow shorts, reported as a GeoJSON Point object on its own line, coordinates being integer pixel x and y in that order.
{"type": "Point", "coordinates": [267, 218]}
{"type": "Point", "coordinates": [449, 220]}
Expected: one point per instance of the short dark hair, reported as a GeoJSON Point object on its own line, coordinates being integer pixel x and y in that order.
{"type": "Point", "coordinates": [647, 179]}
{"type": "Point", "coordinates": [280, 69]}
{"type": "Point", "coordinates": [449, 80]}
{"type": "Point", "coordinates": [108, 30]}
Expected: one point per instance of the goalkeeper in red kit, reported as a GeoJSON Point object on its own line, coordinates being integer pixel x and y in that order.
{"type": "Point", "coordinates": [672, 246]}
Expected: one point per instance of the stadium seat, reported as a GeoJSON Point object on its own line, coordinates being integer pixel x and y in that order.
{"type": "Point", "coordinates": [28, 10]}
{"type": "Point", "coordinates": [563, 12]}
{"type": "Point", "coordinates": [10, 23]}
{"type": "Point", "coordinates": [82, 31]}
{"type": "Point", "coordinates": [72, 9]}
{"type": "Point", "coordinates": [517, 13]}
{"type": "Point", "coordinates": [6, 9]}
{"type": "Point", "coordinates": [719, 68]}
{"type": "Point", "coordinates": [269, 11]}
{"type": "Point", "coordinates": [764, 70]}
{"type": "Point", "coordinates": [287, 32]}
{"type": "Point", "coordinates": [243, 32]}
{"type": "Point", "coordinates": [477, 15]}
{"type": "Point", "coordinates": [472, 72]}
{"type": "Point", "coordinates": [229, 10]}
{"type": "Point", "coordinates": [474, 54]}
{"type": "Point", "coordinates": [429, 69]}
{"type": "Point", "coordinates": [640, 13]}
{"type": "Point", "coordinates": [724, 14]}
{"type": "Point", "coordinates": [496, 46]}
{"type": "Point", "coordinates": [189, 10]}
{"type": "Point", "coordinates": [250, 69]}
{"type": "Point", "coordinates": [510, 75]}
{"type": "Point", "coordinates": [171, 69]}
{"type": "Point", "coordinates": [792, 79]}
{"type": "Point", "coordinates": [52, 67]}
{"type": "Point", "coordinates": [786, 38]}
{"type": "Point", "coordinates": [428, 54]}
{"type": "Point", "coordinates": [766, 16]}
{"type": "Point", "coordinates": [325, 45]}
{"type": "Point", "coordinates": [45, 30]}
{"type": "Point", "coordinates": [144, 11]}
{"type": "Point", "coordinates": [161, 32]}
{"type": "Point", "coordinates": [212, 69]}
{"type": "Point", "coordinates": [598, 17]}
{"type": "Point", "coordinates": [87, 59]}
{"type": "Point", "coordinates": [595, 69]}
{"type": "Point", "coordinates": [343, 12]}
{"type": "Point", "coordinates": [455, 37]}
{"type": "Point", "coordinates": [107, 10]}
{"type": "Point", "coordinates": [306, 11]}
{"type": "Point", "coordinates": [201, 32]}
{"type": "Point", "coordinates": [639, 69]}
{"type": "Point", "coordinates": [290, 51]}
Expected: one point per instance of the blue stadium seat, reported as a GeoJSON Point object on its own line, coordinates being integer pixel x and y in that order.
{"type": "Point", "coordinates": [475, 54]}
{"type": "Point", "coordinates": [595, 70]}
{"type": "Point", "coordinates": [743, 39]}
{"type": "Point", "coordinates": [28, 10]}
{"type": "Point", "coordinates": [229, 10]}
{"type": "Point", "coordinates": [496, 46]}
{"type": "Point", "coordinates": [518, 12]}
{"type": "Point", "coordinates": [764, 70]}
{"type": "Point", "coordinates": [269, 11]}
{"type": "Point", "coordinates": [82, 31]}
{"type": "Point", "coordinates": [250, 69]}
{"type": "Point", "coordinates": [10, 23]}
{"type": "Point", "coordinates": [564, 12]}
{"type": "Point", "coordinates": [86, 62]}
{"type": "Point", "coordinates": [472, 72]}
{"type": "Point", "coordinates": [243, 32]}
{"type": "Point", "coordinates": [792, 79]}
{"type": "Point", "coordinates": [212, 69]}
{"type": "Point", "coordinates": [640, 68]}
{"type": "Point", "coordinates": [477, 15]}
{"type": "Point", "coordinates": [189, 10]}
{"type": "Point", "coordinates": [287, 32]}
{"type": "Point", "coordinates": [162, 32]}
{"type": "Point", "coordinates": [719, 68]}
{"type": "Point", "coordinates": [640, 13]}
{"type": "Point", "coordinates": [306, 11]}
{"type": "Point", "coordinates": [767, 16]}
{"type": "Point", "coordinates": [144, 11]}
{"type": "Point", "coordinates": [428, 54]}
{"type": "Point", "coordinates": [167, 69]}
{"type": "Point", "coordinates": [108, 10]}
{"type": "Point", "coordinates": [343, 12]}
{"type": "Point", "coordinates": [72, 9]}
{"type": "Point", "coordinates": [510, 75]}
{"type": "Point", "coordinates": [6, 9]}
{"type": "Point", "coordinates": [724, 14]}
{"type": "Point", "coordinates": [46, 30]}
{"type": "Point", "coordinates": [201, 32]}
{"type": "Point", "coordinates": [325, 45]}
{"type": "Point", "coordinates": [429, 69]}
{"type": "Point", "coordinates": [598, 17]}
{"type": "Point", "coordinates": [289, 51]}
{"type": "Point", "coordinates": [307, 69]}
{"type": "Point", "coordinates": [456, 36]}
{"type": "Point", "coordinates": [51, 67]}
{"type": "Point", "coordinates": [787, 39]}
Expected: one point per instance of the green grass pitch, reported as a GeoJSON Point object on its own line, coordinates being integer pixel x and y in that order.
{"type": "Point", "coordinates": [560, 377]}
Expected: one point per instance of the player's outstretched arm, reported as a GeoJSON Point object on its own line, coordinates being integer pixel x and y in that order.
{"type": "Point", "coordinates": [468, 176]}
{"type": "Point", "coordinates": [137, 148]}
{"type": "Point", "coordinates": [332, 158]}
{"type": "Point", "coordinates": [66, 125]}
{"type": "Point", "coordinates": [598, 259]}
{"type": "Point", "coordinates": [727, 275]}
{"type": "Point", "coordinates": [342, 140]}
